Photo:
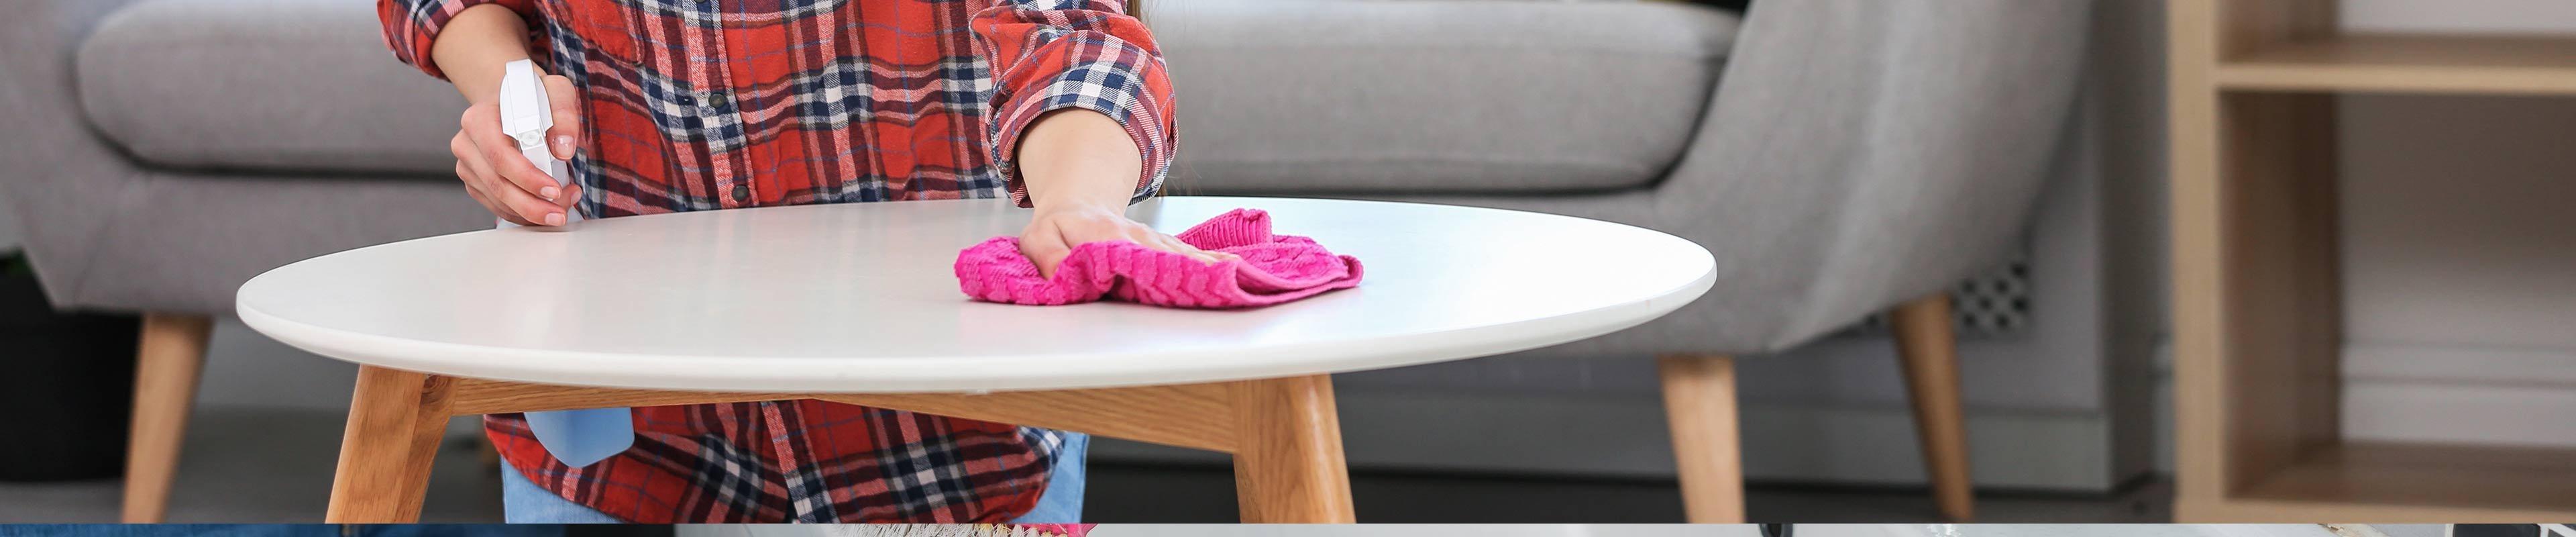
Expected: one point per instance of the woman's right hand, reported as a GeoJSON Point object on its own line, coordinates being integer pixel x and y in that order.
{"type": "Point", "coordinates": [501, 178]}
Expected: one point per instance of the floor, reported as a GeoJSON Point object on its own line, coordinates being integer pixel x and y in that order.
{"type": "Point", "coordinates": [275, 466]}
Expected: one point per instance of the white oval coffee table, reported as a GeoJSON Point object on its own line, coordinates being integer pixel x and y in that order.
{"type": "Point", "coordinates": [856, 303]}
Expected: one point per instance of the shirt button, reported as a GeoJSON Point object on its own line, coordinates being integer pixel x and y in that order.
{"type": "Point", "coordinates": [742, 192]}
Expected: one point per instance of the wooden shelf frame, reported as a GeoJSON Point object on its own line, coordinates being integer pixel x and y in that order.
{"type": "Point", "coordinates": [2257, 309]}
{"type": "Point", "coordinates": [2408, 63]}
{"type": "Point", "coordinates": [2393, 482]}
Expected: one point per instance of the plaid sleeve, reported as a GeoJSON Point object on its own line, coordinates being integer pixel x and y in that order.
{"type": "Point", "coordinates": [412, 25]}
{"type": "Point", "coordinates": [1050, 55]}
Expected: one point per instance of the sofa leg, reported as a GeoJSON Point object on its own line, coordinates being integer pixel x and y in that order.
{"type": "Point", "coordinates": [486, 453]}
{"type": "Point", "coordinates": [171, 351]}
{"type": "Point", "coordinates": [1699, 403]}
{"type": "Point", "coordinates": [1930, 353]}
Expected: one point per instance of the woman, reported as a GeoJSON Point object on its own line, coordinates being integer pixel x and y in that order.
{"type": "Point", "coordinates": [685, 105]}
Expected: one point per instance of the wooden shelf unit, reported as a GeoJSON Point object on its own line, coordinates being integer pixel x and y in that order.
{"type": "Point", "coordinates": [2257, 309]}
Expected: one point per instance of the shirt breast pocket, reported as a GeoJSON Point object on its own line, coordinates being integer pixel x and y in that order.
{"type": "Point", "coordinates": [604, 31]}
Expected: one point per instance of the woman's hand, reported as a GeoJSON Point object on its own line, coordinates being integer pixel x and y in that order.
{"type": "Point", "coordinates": [501, 178]}
{"type": "Point", "coordinates": [1054, 231]}
{"type": "Point", "coordinates": [472, 51]}
{"type": "Point", "coordinates": [1081, 168]}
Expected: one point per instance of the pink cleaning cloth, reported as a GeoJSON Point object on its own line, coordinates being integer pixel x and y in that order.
{"type": "Point", "coordinates": [1061, 530]}
{"type": "Point", "coordinates": [1273, 269]}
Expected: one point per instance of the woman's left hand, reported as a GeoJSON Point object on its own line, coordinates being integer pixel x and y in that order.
{"type": "Point", "coordinates": [1054, 231]}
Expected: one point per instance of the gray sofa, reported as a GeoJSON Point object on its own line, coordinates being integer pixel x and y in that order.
{"type": "Point", "coordinates": [1840, 157]}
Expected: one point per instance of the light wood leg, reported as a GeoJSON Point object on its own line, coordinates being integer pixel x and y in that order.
{"type": "Point", "coordinates": [1699, 402]}
{"type": "Point", "coordinates": [395, 422]}
{"type": "Point", "coordinates": [1930, 351]}
{"type": "Point", "coordinates": [170, 352]}
{"type": "Point", "coordinates": [1288, 456]}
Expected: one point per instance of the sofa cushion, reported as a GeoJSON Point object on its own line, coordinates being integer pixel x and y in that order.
{"type": "Point", "coordinates": [1318, 97]}
{"type": "Point", "coordinates": [1435, 96]}
{"type": "Point", "coordinates": [304, 85]}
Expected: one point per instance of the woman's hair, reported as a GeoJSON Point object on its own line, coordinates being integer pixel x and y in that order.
{"type": "Point", "coordinates": [1136, 8]}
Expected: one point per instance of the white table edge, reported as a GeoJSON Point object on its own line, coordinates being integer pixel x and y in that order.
{"type": "Point", "coordinates": [584, 368]}
{"type": "Point", "coordinates": [921, 374]}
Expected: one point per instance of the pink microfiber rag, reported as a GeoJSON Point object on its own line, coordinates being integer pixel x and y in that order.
{"type": "Point", "coordinates": [1273, 269]}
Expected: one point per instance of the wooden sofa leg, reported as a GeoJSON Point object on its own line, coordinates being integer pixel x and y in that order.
{"type": "Point", "coordinates": [1930, 353]}
{"type": "Point", "coordinates": [1699, 403]}
{"type": "Point", "coordinates": [169, 353]}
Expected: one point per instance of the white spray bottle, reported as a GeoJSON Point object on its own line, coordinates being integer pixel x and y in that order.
{"type": "Point", "coordinates": [525, 117]}
{"type": "Point", "coordinates": [576, 437]}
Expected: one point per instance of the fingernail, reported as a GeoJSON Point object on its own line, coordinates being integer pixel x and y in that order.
{"type": "Point", "coordinates": [554, 219]}
{"type": "Point", "coordinates": [563, 140]}
{"type": "Point", "coordinates": [549, 193]}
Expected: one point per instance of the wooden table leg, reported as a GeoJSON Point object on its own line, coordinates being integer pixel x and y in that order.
{"type": "Point", "coordinates": [1288, 454]}
{"type": "Point", "coordinates": [395, 422]}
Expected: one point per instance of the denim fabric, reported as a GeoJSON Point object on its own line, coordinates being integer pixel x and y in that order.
{"type": "Point", "coordinates": [523, 502]}
{"type": "Point", "coordinates": [1062, 501]}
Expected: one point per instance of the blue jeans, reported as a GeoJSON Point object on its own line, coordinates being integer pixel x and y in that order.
{"type": "Point", "coordinates": [525, 502]}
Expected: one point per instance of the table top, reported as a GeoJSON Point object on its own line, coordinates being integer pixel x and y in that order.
{"type": "Point", "coordinates": [861, 298]}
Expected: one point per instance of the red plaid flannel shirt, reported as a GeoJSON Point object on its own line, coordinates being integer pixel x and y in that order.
{"type": "Point", "coordinates": [716, 104]}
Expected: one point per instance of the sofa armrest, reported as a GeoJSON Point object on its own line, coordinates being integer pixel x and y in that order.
{"type": "Point", "coordinates": [1917, 132]}
{"type": "Point", "coordinates": [60, 179]}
